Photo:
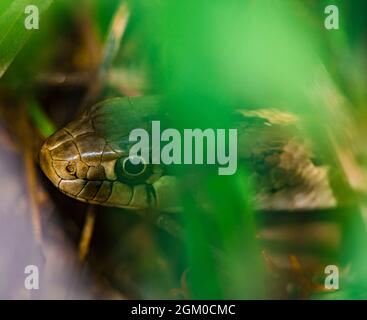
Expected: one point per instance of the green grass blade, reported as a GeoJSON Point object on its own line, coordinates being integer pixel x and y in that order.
{"type": "Point", "coordinates": [40, 120]}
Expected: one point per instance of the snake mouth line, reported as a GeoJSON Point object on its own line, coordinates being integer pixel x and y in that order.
{"type": "Point", "coordinates": [151, 196]}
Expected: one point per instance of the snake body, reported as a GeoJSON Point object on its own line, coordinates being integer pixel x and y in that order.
{"type": "Point", "coordinates": [85, 160]}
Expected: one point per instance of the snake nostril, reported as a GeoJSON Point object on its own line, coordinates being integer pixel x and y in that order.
{"type": "Point", "coordinates": [71, 168]}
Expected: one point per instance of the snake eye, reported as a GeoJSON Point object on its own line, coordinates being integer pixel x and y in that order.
{"type": "Point", "coordinates": [132, 169]}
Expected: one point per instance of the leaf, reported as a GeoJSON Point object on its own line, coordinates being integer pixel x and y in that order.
{"type": "Point", "coordinates": [13, 34]}
{"type": "Point", "coordinates": [40, 120]}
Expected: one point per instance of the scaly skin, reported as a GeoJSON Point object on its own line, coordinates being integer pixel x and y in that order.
{"type": "Point", "coordinates": [84, 160]}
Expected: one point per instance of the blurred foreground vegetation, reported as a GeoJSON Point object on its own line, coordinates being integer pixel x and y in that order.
{"type": "Point", "coordinates": [208, 58]}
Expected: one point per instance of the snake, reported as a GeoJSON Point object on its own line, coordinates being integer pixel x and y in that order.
{"type": "Point", "coordinates": [88, 159]}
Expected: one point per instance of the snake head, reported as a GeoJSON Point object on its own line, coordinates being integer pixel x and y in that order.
{"type": "Point", "coordinates": [89, 159]}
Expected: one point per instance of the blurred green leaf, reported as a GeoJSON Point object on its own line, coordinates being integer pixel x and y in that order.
{"type": "Point", "coordinates": [41, 121]}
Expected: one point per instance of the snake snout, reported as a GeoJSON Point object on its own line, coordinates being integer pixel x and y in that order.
{"type": "Point", "coordinates": [47, 166]}
{"type": "Point", "coordinates": [59, 158]}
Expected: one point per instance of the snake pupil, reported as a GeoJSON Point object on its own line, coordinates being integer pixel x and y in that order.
{"type": "Point", "coordinates": [133, 169]}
